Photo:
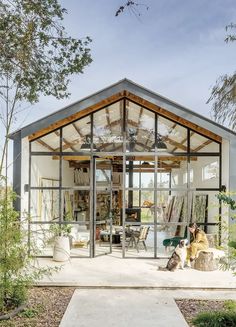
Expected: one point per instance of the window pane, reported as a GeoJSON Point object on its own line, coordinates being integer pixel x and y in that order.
{"type": "Point", "coordinates": [107, 128]}
{"type": "Point", "coordinates": [172, 169]}
{"type": "Point", "coordinates": [205, 172]}
{"type": "Point", "coordinates": [171, 136]}
{"type": "Point", "coordinates": [140, 131]}
{"type": "Point", "coordinates": [205, 208]}
{"type": "Point", "coordinates": [44, 205]}
{"type": "Point", "coordinates": [44, 171]}
{"type": "Point", "coordinates": [199, 143]}
{"type": "Point", "coordinates": [47, 143]}
{"type": "Point", "coordinates": [77, 136]}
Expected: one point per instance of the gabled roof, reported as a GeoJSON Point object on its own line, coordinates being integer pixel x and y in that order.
{"type": "Point", "coordinates": [120, 88]}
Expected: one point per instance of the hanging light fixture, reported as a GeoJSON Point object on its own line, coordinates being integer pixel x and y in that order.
{"type": "Point", "coordinates": [87, 145]}
{"type": "Point", "coordinates": [160, 144]}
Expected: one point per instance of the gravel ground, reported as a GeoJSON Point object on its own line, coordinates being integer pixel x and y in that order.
{"type": "Point", "coordinates": [45, 308]}
{"type": "Point", "coordinates": [190, 307]}
{"type": "Point", "coordinates": [47, 305]}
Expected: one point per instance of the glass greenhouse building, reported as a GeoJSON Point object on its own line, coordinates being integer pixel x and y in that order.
{"type": "Point", "coordinates": [120, 161]}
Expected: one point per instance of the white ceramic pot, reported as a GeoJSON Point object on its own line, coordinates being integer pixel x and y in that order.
{"type": "Point", "coordinates": [61, 250]}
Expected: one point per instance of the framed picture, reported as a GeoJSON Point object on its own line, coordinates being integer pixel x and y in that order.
{"type": "Point", "coordinates": [49, 200]}
{"type": "Point", "coordinates": [199, 208]}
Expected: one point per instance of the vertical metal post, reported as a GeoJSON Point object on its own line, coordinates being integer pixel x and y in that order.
{"type": "Point", "coordinates": [92, 196]}
{"type": "Point", "coordinates": [155, 189]}
{"type": "Point", "coordinates": [124, 175]}
{"type": "Point", "coordinates": [220, 202]}
{"type": "Point", "coordinates": [29, 197]}
{"type": "Point", "coordinates": [61, 209]}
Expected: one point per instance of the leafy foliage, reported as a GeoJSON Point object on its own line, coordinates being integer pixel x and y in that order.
{"type": "Point", "coordinates": [215, 319]}
{"type": "Point", "coordinates": [37, 57]}
{"type": "Point", "coordinates": [230, 263]}
{"type": "Point", "coordinates": [36, 53]}
{"type": "Point", "coordinates": [132, 6]}
{"type": "Point", "coordinates": [17, 269]}
{"type": "Point", "coordinates": [224, 318]}
{"type": "Point", "coordinates": [223, 94]}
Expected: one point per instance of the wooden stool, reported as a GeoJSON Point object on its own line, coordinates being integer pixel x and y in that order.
{"type": "Point", "coordinates": [206, 262]}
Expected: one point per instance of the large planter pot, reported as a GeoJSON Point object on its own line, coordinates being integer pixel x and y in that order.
{"type": "Point", "coordinates": [61, 250]}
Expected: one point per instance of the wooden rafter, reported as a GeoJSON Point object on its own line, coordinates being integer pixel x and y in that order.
{"type": "Point", "coordinates": [130, 96]}
{"type": "Point", "coordinates": [67, 143]}
{"type": "Point", "coordinates": [77, 130]}
{"type": "Point", "coordinates": [172, 116]}
{"type": "Point", "coordinates": [202, 145]}
{"type": "Point", "coordinates": [44, 144]}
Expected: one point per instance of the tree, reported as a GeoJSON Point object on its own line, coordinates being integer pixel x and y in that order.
{"type": "Point", "coordinates": [37, 56]}
{"type": "Point", "coordinates": [227, 199]}
{"type": "Point", "coordinates": [132, 6]}
{"type": "Point", "coordinates": [223, 94]}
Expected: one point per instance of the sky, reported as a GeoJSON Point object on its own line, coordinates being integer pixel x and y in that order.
{"type": "Point", "coordinates": [175, 48]}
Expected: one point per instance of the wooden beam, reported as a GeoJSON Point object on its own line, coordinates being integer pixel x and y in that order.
{"type": "Point", "coordinates": [44, 144]}
{"type": "Point", "coordinates": [77, 115]}
{"type": "Point", "coordinates": [67, 143]}
{"type": "Point", "coordinates": [142, 102]}
{"type": "Point", "coordinates": [172, 116]}
{"type": "Point", "coordinates": [77, 130]}
{"type": "Point", "coordinates": [202, 145]}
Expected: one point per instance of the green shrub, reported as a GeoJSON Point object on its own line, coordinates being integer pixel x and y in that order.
{"type": "Point", "coordinates": [17, 266]}
{"type": "Point", "coordinates": [230, 305]}
{"type": "Point", "coordinates": [215, 319]}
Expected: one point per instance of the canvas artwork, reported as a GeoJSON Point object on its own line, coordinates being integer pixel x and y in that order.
{"type": "Point", "coordinates": [199, 208]}
{"type": "Point", "coordinates": [49, 200]}
{"type": "Point", "coordinates": [177, 208]}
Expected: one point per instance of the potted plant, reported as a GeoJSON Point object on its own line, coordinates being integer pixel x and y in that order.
{"type": "Point", "coordinates": [61, 244]}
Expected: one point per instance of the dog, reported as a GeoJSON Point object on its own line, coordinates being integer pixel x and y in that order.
{"type": "Point", "coordinates": [177, 260]}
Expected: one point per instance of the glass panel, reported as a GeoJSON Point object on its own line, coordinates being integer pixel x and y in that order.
{"type": "Point", "coordinates": [103, 227]}
{"type": "Point", "coordinates": [177, 207]}
{"type": "Point", "coordinates": [44, 168]}
{"type": "Point", "coordinates": [168, 237]}
{"type": "Point", "coordinates": [44, 205]}
{"type": "Point", "coordinates": [164, 206]}
{"type": "Point", "coordinates": [171, 137]}
{"type": "Point", "coordinates": [140, 131]}
{"type": "Point", "coordinates": [135, 197]}
{"type": "Point", "coordinates": [132, 179]}
{"type": "Point", "coordinates": [172, 171]}
{"type": "Point", "coordinates": [199, 143]}
{"type": "Point", "coordinates": [47, 143]}
{"type": "Point", "coordinates": [77, 136]}
{"type": "Point", "coordinates": [76, 171]}
{"type": "Point", "coordinates": [107, 128]}
{"type": "Point", "coordinates": [42, 237]}
{"type": "Point", "coordinates": [103, 173]}
{"type": "Point", "coordinates": [205, 172]}
{"type": "Point", "coordinates": [80, 240]}
{"type": "Point", "coordinates": [139, 241]}
{"type": "Point", "coordinates": [104, 202]}
{"type": "Point", "coordinates": [163, 178]}
{"type": "Point", "coordinates": [205, 207]}
{"type": "Point", "coordinates": [117, 207]}
{"type": "Point", "coordinates": [76, 205]}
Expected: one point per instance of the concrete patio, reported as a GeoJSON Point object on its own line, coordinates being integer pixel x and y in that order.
{"type": "Point", "coordinates": [111, 271]}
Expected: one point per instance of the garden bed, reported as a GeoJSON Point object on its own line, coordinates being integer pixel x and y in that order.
{"type": "Point", "coordinates": [46, 307]}
{"type": "Point", "coordinates": [190, 308]}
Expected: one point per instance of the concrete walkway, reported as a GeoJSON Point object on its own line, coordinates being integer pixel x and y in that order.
{"type": "Point", "coordinates": [131, 307]}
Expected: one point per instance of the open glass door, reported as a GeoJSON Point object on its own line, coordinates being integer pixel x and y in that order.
{"type": "Point", "coordinates": [102, 206]}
